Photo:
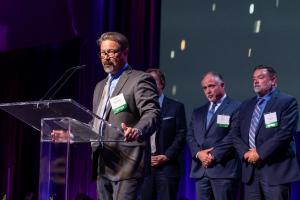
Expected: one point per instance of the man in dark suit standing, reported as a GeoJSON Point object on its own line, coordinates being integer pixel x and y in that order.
{"type": "Point", "coordinates": [264, 139]}
{"type": "Point", "coordinates": [215, 165]}
{"type": "Point", "coordinates": [166, 147]}
{"type": "Point", "coordinates": [127, 99]}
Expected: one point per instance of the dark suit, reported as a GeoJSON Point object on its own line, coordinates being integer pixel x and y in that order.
{"type": "Point", "coordinates": [169, 141]}
{"type": "Point", "coordinates": [226, 166]}
{"type": "Point", "coordinates": [275, 146]}
{"type": "Point", "coordinates": [125, 161]}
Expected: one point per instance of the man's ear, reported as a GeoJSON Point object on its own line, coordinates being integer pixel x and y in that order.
{"type": "Point", "coordinates": [222, 85]}
{"type": "Point", "coordinates": [274, 80]}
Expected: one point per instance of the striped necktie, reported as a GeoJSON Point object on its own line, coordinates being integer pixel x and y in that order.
{"type": "Point", "coordinates": [210, 113]}
{"type": "Point", "coordinates": [254, 122]}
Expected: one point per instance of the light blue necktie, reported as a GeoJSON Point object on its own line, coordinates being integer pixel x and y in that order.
{"type": "Point", "coordinates": [210, 113]}
{"type": "Point", "coordinates": [254, 122]}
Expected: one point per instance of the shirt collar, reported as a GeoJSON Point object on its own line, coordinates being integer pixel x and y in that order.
{"type": "Point", "coordinates": [218, 102]}
{"type": "Point", "coordinates": [118, 74]}
{"type": "Point", "coordinates": [267, 96]}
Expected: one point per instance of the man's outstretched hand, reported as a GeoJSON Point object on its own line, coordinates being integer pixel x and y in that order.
{"type": "Point", "coordinates": [130, 134]}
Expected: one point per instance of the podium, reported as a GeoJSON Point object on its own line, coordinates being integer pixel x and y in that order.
{"type": "Point", "coordinates": [74, 121]}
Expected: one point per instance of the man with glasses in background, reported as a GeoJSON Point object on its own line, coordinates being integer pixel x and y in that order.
{"type": "Point", "coordinates": [127, 99]}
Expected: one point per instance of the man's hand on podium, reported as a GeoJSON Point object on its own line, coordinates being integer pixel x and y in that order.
{"type": "Point", "coordinates": [61, 136]}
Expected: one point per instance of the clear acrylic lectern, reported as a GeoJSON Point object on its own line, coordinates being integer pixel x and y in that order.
{"type": "Point", "coordinates": [74, 122]}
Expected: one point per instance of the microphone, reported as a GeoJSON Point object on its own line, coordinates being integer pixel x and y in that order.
{"type": "Point", "coordinates": [72, 70]}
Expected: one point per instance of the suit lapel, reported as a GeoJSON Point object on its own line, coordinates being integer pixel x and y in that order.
{"type": "Point", "coordinates": [218, 111]}
{"type": "Point", "coordinates": [248, 115]}
{"type": "Point", "coordinates": [250, 108]}
{"type": "Point", "coordinates": [200, 121]}
{"type": "Point", "coordinates": [163, 109]}
{"type": "Point", "coordinates": [267, 109]}
{"type": "Point", "coordinates": [203, 117]}
{"type": "Point", "coordinates": [222, 107]}
{"type": "Point", "coordinates": [122, 80]}
{"type": "Point", "coordinates": [159, 136]}
{"type": "Point", "coordinates": [100, 91]}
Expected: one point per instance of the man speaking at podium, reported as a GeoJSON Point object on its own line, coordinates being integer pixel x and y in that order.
{"type": "Point", "coordinates": [127, 99]}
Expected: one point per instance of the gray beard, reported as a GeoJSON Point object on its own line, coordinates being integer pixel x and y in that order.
{"type": "Point", "coordinates": [108, 69]}
{"type": "Point", "coordinates": [256, 89]}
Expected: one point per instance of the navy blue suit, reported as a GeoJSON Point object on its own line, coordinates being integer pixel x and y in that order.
{"type": "Point", "coordinates": [226, 164]}
{"type": "Point", "coordinates": [275, 146]}
{"type": "Point", "coordinates": [169, 140]}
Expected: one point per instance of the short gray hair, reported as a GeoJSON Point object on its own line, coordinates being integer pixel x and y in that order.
{"type": "Point", "coordinates": [218, 76]}
{"type": "Point", "coordinates": [114, 36]}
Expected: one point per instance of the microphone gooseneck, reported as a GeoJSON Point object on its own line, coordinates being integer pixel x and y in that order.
{"type": "Point", "coordinates": [72, 70]}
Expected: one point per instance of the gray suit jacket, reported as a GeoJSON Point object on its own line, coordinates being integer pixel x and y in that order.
{"type": "Point", "coordinates": [119, 160]}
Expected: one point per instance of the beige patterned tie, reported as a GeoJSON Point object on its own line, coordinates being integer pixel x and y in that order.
{"type": "Point", "coordinates": [102, 105]}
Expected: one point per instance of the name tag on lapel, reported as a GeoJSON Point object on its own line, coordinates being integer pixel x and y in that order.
{"type": "Point", "coordinates": [271, 120]}
{"type": "Point", "coordinates": [223, 120]}
{"type": "Point", "coordinates": [118, 103]}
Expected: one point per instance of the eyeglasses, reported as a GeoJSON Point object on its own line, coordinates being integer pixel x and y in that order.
{"type": "Point", "coordinates": [110, 53]}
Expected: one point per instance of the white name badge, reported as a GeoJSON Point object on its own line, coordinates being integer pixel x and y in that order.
{"type": "Point", "coordinates": [118, 103]}
{"type": "Point", "coordinates": [223, 120]}
{"type": "Point", "coordinates": [271, 120]}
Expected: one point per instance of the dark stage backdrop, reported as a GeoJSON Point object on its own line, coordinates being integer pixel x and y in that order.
{"type": "Point", "coordinates": [38, 42]}
{"type": "Point", "coordinates": [230, 37]}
